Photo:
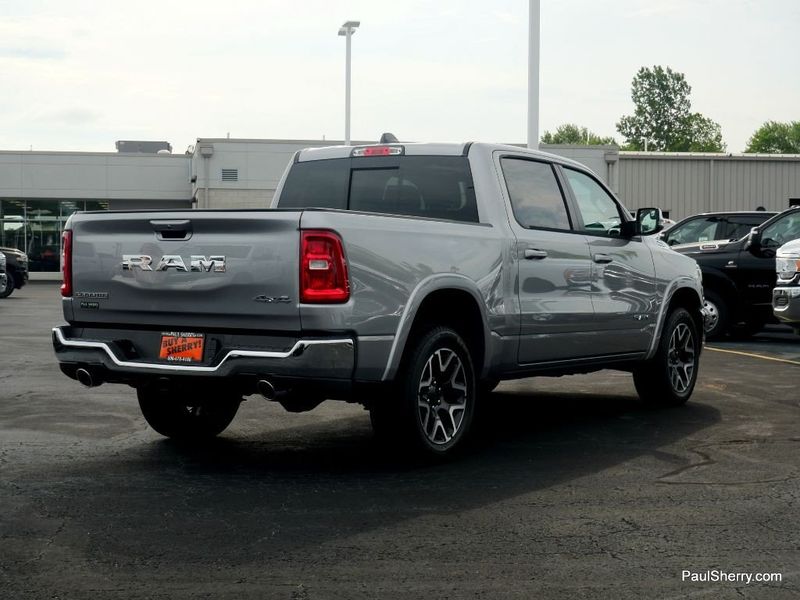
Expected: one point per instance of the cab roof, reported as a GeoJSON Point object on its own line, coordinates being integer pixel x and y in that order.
{"type": "Point", "coordinates": [431, 149]}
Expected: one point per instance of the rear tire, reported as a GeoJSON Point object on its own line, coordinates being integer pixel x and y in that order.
{"type": "Point", "coordinates": [432, 411]}
{"type": "Point", "coordinates": [718, 322]}
{"type": "Point", "coordinates": [668, 379]}
{"type": "Point", "coordinates": [173, 414]}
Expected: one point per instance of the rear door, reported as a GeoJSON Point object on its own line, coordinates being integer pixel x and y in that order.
{"type": "Point", "coordinates": [552, 261]}
{"type": "Point", "coordinates": [193, 269]}
{"type": "Point", "coordinates": [623, 275]}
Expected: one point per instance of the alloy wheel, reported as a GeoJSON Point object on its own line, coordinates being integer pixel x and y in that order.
{"type": "Point", "coordinates": [442, 396]}
{"type": "Point", "coordinates": [681, 358]}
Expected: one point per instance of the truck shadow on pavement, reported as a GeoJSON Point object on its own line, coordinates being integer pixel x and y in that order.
{"type": "Point", "coordinates": [281, 495]}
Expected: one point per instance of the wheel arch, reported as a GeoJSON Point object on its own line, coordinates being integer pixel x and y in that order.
{"type": "Point", "coordinates": [686, 297]}
{"type": "Point", "coordinates": [683, 293]}
{"type": "Point", "coordinates": [449, 300]}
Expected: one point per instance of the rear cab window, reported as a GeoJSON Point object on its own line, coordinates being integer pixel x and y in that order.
{"type": "Point", "coordinates": [437, 187]}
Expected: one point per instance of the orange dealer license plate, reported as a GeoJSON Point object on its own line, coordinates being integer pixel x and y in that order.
{"type": "Point", "coordinates": [181, 346]}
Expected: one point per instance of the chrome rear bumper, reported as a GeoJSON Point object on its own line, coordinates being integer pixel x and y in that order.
{"type": "Point", "coordinates": [312, 358]}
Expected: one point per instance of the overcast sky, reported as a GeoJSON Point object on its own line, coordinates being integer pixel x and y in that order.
{"type": "Point", "coordinates": [78, 75]}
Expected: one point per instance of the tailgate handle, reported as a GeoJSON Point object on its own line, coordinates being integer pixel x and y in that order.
{"type": "Point", "coordinates": [172, 230]}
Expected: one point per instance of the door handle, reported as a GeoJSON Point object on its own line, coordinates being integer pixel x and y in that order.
{"type": "Point", "coordinates": [602, 258]}
{"type": "Point", "coordinates": [535, 253]}
{"type": "Point", "coordinates": [172, 230]}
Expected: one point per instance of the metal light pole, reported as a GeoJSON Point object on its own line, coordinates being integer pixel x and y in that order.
{"type": "Point", "coordinates": [533, 74]}
{"type": "Point", "coordinates": [347, 30]}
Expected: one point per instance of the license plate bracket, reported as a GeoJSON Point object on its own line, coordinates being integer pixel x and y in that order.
{"type": "Point", "coordinates": [181, 346]}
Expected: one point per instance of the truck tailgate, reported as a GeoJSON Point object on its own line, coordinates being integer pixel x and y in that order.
{"type": "Point", "coordinates": [223, 269]}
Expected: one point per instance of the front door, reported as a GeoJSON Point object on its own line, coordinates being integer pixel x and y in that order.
{"type": "Point", "coordinates": [623, 276]}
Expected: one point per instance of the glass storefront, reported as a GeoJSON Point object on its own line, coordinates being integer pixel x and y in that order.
{"type": "Point", "coordinates": [35, 226]}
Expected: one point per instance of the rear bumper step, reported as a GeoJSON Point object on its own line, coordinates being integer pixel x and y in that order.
{"type": "Point", "coordinates": [317, 358]}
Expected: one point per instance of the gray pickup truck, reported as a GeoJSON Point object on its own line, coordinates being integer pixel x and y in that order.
{"type": "Point", "coordinates": [410, 278]}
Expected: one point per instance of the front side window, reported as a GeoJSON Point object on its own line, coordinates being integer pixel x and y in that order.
{"type": "Point", "coordinates": [599, 212]}
{"type": "Point", "coordinates": [785, 229]}
{"type": "Point", "coordinates": [535, 195]}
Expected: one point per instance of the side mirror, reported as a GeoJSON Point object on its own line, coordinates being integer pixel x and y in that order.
{"type": "Point", "coordinates": [649, 221]}
{"type": "Point", "coordinates": [754, 242]}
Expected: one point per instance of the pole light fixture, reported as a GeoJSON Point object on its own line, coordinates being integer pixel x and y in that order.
{"type": "Point", "coordinates": [347, 30]}
{"type": "Point", "coordinates": [534, 10]}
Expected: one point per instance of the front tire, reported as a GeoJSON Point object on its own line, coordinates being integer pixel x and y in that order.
{"type": "Point", "coordinates": [433, 408]}
{"type": "Point", "coordinates": [176, 414]}
{"type": "Point", "coordinates": [668, 379]}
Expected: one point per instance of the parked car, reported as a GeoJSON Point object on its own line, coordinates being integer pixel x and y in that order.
{"type": "Point", "coordinates": [739, 275]}
{"type": "Point", "coordinates": [786, 295]}
{"type": "Point", "coordinates": [406, 277]}
{"type": "Point", "coordinates": [3, 276]}
{"type": "Point", "coordinates": [16, 271]}
{"type": "Point", "coordinates": [711, 226]}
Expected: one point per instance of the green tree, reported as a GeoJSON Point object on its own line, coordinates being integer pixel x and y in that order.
{"type": "Point", "coordinates": [663, 117]}
{"type": "Point", "coordinates": [570, 133]}
{"type": "Point", "coordinates": [705, 135]}
{"type": "Point", "coordinates": [774, 137]}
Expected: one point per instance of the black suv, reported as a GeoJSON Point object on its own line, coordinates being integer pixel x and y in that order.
{"type": "Point", "coordinates": [16, 270]}
{"type": "Point", "coordinates": [738, 275]}
{"type": "Point", "coordinates": [711, 226]}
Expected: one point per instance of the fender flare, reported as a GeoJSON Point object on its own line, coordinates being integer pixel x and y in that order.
{"type": "Point", "coordinates": [679, 283]}
{"type": "Point", "coordinates": [429, 285]}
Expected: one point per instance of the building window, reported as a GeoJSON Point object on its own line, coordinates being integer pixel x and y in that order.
{"type": "Point", "coordinates": [35, 226]}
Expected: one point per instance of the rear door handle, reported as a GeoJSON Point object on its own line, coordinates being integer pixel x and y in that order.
{"type": "Point", "coordinates": [602, 258]}
{"type": "Point", "coordinates": [535, 253]}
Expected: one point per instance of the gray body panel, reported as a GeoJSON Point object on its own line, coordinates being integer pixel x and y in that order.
{"type": "Point", "coordinates": [562, 311]}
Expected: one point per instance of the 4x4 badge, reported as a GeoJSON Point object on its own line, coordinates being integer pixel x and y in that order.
{"type": "Point", "coordinates": [273, 299]}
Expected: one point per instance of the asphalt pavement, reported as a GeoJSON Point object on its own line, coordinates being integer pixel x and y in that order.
{"type": "Point", "coordinates": [572, 489]}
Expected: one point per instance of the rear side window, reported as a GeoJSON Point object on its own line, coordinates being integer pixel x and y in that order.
{"type": "Point", "coordinates": [697, 230]}
{"type": "Point", "coordinates": [535, 195]}
{"type": "Point", "coordinates": [438, 187]}
{"type": "Point", "coordinates": [738, 227]}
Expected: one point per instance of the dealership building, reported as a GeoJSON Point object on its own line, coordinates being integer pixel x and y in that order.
{"type": "Point", "coordinates": [40, 190]}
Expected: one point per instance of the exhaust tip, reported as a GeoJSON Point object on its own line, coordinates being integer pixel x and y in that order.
{"type": "Point", "coordinates": [266, 389]}
{"type": "Point", "coordinates": [87, 378]}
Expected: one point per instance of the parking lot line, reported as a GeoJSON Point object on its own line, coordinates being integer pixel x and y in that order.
{"type": "Point", "coordinates": [783, 360]}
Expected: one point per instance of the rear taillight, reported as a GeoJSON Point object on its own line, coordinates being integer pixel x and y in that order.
{"type": "Point", "coordinates": [323, 269]}
{"type": "Point", "coordinates": [66, 263]}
